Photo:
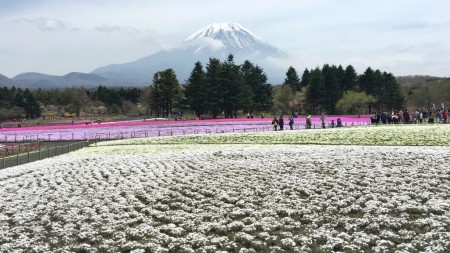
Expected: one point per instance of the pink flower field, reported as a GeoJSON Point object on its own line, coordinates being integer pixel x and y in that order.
{"type": "Point", "coordinates": [151, 128]}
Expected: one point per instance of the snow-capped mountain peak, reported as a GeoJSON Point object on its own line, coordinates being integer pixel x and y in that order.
{"type": "Point", "coordinates": [233, 36]}
{"type": "Point", "coordinates": [216, 29]}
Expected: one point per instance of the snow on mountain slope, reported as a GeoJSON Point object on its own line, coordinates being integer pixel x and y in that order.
{"type": "Point", "coordinates": [234, 37]}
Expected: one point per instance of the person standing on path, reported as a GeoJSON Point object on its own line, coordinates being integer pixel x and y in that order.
{"type": "Point", "coordinates": [339, 122]}
{"type": "Point", "coordinates": [323, 118]}
{"type": "Point", "coordinates": [275, 123]}
{"type": "Point", "coordinates": [291, 122]}
{"type": "Point", "coordinates": [281, 122]}
{"type": "Point", "coordinates": [308, 122]}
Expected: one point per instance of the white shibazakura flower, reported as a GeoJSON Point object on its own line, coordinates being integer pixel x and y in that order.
{"type": "Point", "coordinates": [156, 197]}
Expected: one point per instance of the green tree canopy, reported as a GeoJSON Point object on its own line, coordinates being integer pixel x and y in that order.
{"type": "Point", "coordinates": [354, 102]}
{"type": "Point", "coordinates": [214, 87]}
{"type": "Point", "coordinates": [292, 79]}
{"type": "Point", "coordinates": [315, 92]}
{"type": "Point", "coordinates": [306, 78]}
{"type": "Point", "coordinates": [282, 100]}
{"type": "Point", "coordinates": [195, 90]}
{"type": "Point", "coordinates": [76, 98]}
{"type": "Point", "coordinates": [331, 92]}
{"type": "Point", "coordinates": [261, 91]}
{"type": "Point", "coordinates": [31, 106]}
{"type": "Point", "coordinates": [232, 83]}
{"type": "Point", "coordinates": [349, 80]}
{"type": "Point", "coordinates": [166, 92]}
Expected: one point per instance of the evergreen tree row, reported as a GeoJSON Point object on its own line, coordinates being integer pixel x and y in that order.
{"type": "Point", "coordinates": [227, 87]}
{"type": "Point", "coordinates": [17, 103]}
{"type": "Point", "coordinates": [222, 88]}
{"type": "Point", "coordinates": [323, 88]}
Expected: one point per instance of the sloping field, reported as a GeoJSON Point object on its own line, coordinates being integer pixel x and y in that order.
{"type": "Point", "coordinates": [259, 192]}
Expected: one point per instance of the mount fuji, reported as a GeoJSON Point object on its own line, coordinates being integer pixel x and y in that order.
{"type": "Point", "coordinates": [216, 40]}
{"type": "Point", "coordinates": [233, 38]}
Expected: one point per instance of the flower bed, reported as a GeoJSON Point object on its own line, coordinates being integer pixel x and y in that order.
{"type": "Point", "coordinates": [148, 128]}
{"type": "Point", "coordinates": [265, 193]}
{"type": "Point", "coordinates": [247, 198]}
{"type": "Point", "coordinates": [393, 135]}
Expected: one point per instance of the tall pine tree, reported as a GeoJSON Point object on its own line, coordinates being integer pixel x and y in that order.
{"type": "Point", "coordinates": [331, 92]}
{"type": "Point", "coordinates": [195, 90]}
{"type": "Point", "coordinates": [255, 77]}
{"type": "Point", "coordinates": [306, 78]}
{"type": "Point", "coordinates": [349, 80]}
{"type": "Point", "coordinates": [166, 92]}
{"type": "Point", "coordinates": [292, 79]}
{"type": "Point", "coordinates": [394, 98]}
{"type": "Point", "coordinates": [232, 83]}
{"type": "Point", "coordinates": [30, 105]}
{"type": "Point", "coordinates": [314, 97]}
{"type": "Point", "coordinates": [214, 87]}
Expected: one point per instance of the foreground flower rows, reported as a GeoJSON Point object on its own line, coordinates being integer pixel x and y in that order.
{"type": "Point", "coordinates": [229, 198]}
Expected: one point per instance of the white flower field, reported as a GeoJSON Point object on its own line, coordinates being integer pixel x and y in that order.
{"type": "Point", "coordinates": [250, 192]}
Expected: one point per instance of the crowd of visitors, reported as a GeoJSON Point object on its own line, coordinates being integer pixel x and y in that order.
{"type": "Point", "coordinates": [278, 123]}
{"type": "Point", "coordinates": [419, 116]}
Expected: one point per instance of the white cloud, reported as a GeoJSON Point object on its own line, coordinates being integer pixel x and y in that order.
{"type": "Point", "coordinates": [212, 44]}
{"type": "Point", "coordinates": [56, 47]}
{"type": "Point", "coordinates": [92, 33]}
{"type": "Point", "coordinates": [48, 24]}
{"type": "Point", "coordinates": [142, 36]}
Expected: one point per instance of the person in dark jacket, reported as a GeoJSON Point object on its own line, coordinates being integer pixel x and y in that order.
{"type": "Point", "coordinates": [339, 122]}
{"type": "Point", "coordinates": [281, 122]}
{"type": "Point", "coordinates": [275, 123]}
{"type": "Point", "coordinates": [406, 115]}
{"type": "Point", "coordinates": [291, 122]}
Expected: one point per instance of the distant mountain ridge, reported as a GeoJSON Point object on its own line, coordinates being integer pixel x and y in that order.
{"type": "Point", "coordinates": [38, 80]}
{"type": "Point", "coordinates": [5, 81]}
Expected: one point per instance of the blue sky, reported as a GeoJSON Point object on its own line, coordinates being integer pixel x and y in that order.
{"type": "Point", "coordinates": [405, 37]}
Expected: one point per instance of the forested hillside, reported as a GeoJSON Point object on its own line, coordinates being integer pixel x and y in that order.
{"type": "Point", "coordinates": [425, 91]}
